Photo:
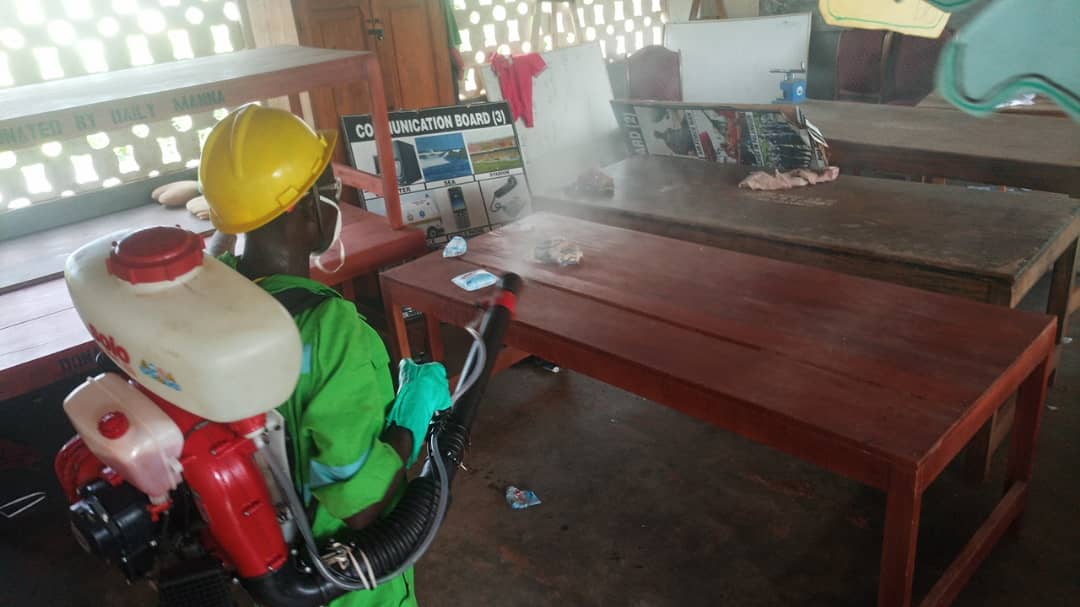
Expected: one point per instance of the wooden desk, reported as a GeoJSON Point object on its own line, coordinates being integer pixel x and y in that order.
{"type": "Point", "coordinates": [987, 246]}
{"type": "Point", "coordinates": [42, 339]}
{"type": "Point", "coordinates": [1037, 152]}
{"type": "Point", "coordinates": [881, 383]}
{"type": "Point", "coordinates": [1041, 107]}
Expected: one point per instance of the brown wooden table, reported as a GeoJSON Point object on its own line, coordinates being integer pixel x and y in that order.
{"type": "Point", "coordinates": [878, 382]}
{"type": "Point", "coordinates": [1041, 107]}
{"type": "Point", "coordinates": [987, 246]}
{"type": "Point", "coordinates": [1037, 152]}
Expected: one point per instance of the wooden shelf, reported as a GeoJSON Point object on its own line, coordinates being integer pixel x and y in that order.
{"type": "Point", "coordinates": [42, 338]}
{"type": "Point", "coordinates": [33, 114]}
{"type": "Point", "coordinates": [80, 106]}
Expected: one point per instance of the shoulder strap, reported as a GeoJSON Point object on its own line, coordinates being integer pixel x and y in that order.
{"type": "Point", "coordinates": [298, 300]}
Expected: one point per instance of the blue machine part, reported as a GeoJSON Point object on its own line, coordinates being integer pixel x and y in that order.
{"type": "Point", "coordinates": [792, 87]}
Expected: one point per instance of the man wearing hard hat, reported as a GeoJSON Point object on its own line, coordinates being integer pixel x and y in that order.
{"type": "Point", "coordinates": [267, 175]}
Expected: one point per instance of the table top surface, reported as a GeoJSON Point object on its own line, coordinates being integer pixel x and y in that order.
{"type": "Point", "coordinates": [1042, 140]}
{"type": "Point", "coordinates": [991, 234]}
{"type": "Point", "coordinates": [1042, 106]}
{"type": "Point", "coordinates": [41, 255]}
{"type": "Point", "coordinates": [886, 369]}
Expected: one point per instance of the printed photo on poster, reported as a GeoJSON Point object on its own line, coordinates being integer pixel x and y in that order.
{"type": "Point", "coordinates": [493, 149]}
{"type": "Point", "coordinates": [459, 169]}
{"type": "Point", "coordinates": [712, 131]}
{"type": "Point", "coordinates": [406, 164]}
{"type": "Point", "coordinates": [443, 157]}
{"type": "Point", "coordinates": [507, 197]}
{"type": "Point", "coordinates": [421, 210]}
{"type": "Point", "coordinates": [768, 136]}
{"type": "Point", "coordinates": [667, 131]}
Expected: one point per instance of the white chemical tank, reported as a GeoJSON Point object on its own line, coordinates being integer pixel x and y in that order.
{"type": "Point", "coordinates": [128, 432]}
{"type": "Point", "coordinates": [184, 325]}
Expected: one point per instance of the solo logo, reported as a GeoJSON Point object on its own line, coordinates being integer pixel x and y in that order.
{"type": "Point", "coordinates": [110, 345]}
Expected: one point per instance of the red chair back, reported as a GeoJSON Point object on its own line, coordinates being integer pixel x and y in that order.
{"type": "Point", "coordinates": [859, 65]}
{"type": "Point", "coordinates": [654, 73]}
{"type": "Point", "coordinates": [911, 67]}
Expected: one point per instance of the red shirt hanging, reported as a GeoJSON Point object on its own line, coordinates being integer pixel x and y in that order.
{"type": "Point", "coordinates": [516, 82]}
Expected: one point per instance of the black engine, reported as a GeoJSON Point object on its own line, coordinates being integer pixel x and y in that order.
{"type": "Point", "coordinates": [116, 524]}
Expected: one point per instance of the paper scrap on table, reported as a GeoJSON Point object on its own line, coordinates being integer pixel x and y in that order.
{"type": "Point", "coordinates": [594, 182]}
{"type": "Point", "coordinates": [475, 280]}
{"type": "Point", "coordinates": [761, 180]}
{"type": "Point", "coordinates": [558, 250]}
{"type": "Point", "coordinates": [911, 17]}
{"type": "Point", "coordinates": [455, 248]}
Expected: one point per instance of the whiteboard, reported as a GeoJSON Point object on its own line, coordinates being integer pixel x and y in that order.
{"type": "Point", "coordinates": [575, 127]}
{"type": "Point", "coordinates": [728, 60]}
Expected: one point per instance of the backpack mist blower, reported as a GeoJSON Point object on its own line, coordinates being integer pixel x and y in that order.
{"type": "Point", "coordinates": [178, 472]}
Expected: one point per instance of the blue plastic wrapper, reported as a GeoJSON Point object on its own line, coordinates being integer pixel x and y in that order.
{"type": "Point", "coordinates": [475, 280]}
{"type": "Point", "coordinates": [455, 248]}
{"type": "Point", "coordinates": [519, 499]}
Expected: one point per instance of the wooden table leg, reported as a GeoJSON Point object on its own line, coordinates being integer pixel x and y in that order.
{"type": "Point", "coordinates": [435, 338]}
{"type": "Point", "coordinates": [901, 534]}
{"type": "Point", "coordinates": [1061, 289]}
{"type": "Point", "coordinates": [1006, 514]}
{"type": "Point", "coordinates": [1030, 400]}
{"type": "Point", "coordinates": [986, 442]}
{"type": "Point", "coordinates": [399, 335]}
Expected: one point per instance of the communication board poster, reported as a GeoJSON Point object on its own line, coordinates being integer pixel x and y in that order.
{"type": "Point", "coordinates": [459, 168]}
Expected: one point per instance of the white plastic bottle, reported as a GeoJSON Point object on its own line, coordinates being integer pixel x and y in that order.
{"type": "Point", "coordinates": [184, 325]}
{"type": "Point", "coordinates": [128, 432]}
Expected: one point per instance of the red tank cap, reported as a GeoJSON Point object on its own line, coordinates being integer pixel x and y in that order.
{"type": "Point", "coordinates": [155, 254]}
{"type": "Point", "coordinates": [113, 425]}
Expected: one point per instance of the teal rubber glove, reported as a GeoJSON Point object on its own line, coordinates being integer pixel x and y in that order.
{"type": "Point", "coordinates": [423, 391]}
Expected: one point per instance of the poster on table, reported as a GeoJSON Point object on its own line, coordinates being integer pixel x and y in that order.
{"type": "Point", "coordinates": [459, 168]}
{"type": "Point", "coordinates": [769, 136]}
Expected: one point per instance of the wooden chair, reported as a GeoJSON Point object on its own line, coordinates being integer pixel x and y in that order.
{"type": "Point", "coordinates": [910, 62]}
{"type": "Point", "coordinates": [860, 65]}
{"type": "Point", "coordinates": [654, 73]}
{"type": "Point", "coordinates": [696, 9]}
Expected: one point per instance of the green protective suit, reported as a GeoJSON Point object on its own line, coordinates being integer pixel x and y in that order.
{"type": "Point", "coordinates": [334, 419]}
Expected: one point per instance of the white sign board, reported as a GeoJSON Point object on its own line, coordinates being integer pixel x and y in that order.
{"type": "Point", "coordinates": [728, 60]}
{"type": "Point", "coordinates": [574, 125]}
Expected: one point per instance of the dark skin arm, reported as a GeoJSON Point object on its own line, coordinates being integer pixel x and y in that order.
{"type": "Point", "coordinates": [401, 439]}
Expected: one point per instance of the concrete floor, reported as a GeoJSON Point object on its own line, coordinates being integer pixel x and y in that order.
{"type": "Point", "coordinates": [642, 506]}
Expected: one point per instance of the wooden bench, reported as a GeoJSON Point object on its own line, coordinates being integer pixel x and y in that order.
{"type": "Point", "coordinates": [878, 382]}
{"type": "Point", "coordinates": [1038, 152]}
{"type": "Point", "coordinates": [987, 246]}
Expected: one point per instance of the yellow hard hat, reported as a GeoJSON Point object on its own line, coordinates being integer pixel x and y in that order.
{"type": "Point", "coordinates": [257, 163]}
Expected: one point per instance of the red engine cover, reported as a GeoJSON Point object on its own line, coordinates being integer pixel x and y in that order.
{"type": "Point", "coordinates": [230, 491]}
{"type": "Point", "coordinates": [76, 466]}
